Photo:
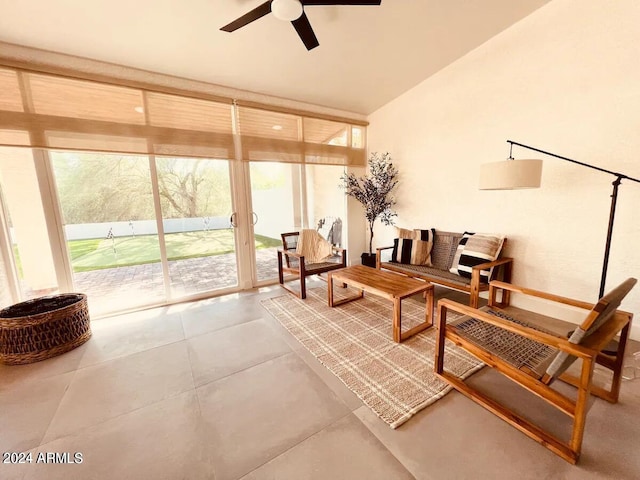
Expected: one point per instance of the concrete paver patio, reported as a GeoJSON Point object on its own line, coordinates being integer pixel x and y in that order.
{"type": "Point", "coordinates": [114, 289]}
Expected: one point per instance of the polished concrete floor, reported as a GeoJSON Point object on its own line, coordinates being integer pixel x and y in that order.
{"type": "Point", "coordinates": [217, 389]}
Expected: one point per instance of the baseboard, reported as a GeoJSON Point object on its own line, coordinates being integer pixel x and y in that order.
{"type": "Point", "coordinates": [634, 334]}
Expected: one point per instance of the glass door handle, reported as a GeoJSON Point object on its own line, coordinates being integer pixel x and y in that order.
{"type": "Point", "coordinates": [255, 217]}
{"type": "Point", "coordinates": [232, 219]}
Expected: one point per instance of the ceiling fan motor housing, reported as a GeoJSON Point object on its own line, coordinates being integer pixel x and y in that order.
{"type": "Point", "coordinates": [287, 10]}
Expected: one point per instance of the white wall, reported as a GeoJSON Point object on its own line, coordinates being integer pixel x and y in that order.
{"type": "Point", "coordinates": [566, 79]}
{"type": "Point", "coordinates": [357, 231]}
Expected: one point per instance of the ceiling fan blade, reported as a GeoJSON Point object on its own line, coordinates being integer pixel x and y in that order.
{"type": "Point", "coordinates": [247, 18]}
{"type": "Point", "coordinates": [352, 2]}
{"type": "Point", "coordinates": [303, 27]}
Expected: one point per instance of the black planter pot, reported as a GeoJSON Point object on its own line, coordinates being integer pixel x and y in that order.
{"type": "Point", "coordinates": [368, 259]}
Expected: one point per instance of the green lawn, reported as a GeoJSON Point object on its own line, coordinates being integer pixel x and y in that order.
{"type": "Point", "coordinates": [96, 254]}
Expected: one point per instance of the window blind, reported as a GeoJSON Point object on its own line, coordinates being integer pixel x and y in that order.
{"type": "Point", "coordinates": [48, 111]}
{"type": "Point", "coordinates": [282, 137]}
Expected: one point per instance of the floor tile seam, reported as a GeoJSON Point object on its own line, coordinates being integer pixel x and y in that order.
{"type": "Point", "coordinates": [201, 420]}
{"type": "Point", "coordinates": [362, 404]}
{"type": "Point", "coordinates": [66, 391]}
{"type": "Point", "coordinates": [94, 425]}
{"type": "Point", "coordinates": [380, 439]}
{"type": "Point", "coordinates": [184, 339]}
{"type": "Point", "coordinates": [303, 349]}
{"type": "Point", "coordinates": [219, 329]}
{"type": "Point", "coordinates": [120, 357]}
{"type": "Point", "coordinates": [322, 428]}
{"type": "Point", "coordinates": [243, 369]}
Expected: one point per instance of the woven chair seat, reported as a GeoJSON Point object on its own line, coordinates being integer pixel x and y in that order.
{"type": "Point", "coordinates": [329, 262]}
{"type": "Point", "coordinates": [520, 352]}
{"type": "Point", "coordinates": [310, 267]}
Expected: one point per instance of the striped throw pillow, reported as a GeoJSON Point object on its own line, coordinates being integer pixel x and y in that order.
{"type": "Point", "coordinates": [475, 249]}
{"type": "Point", "coordinates": [424, 235]}
{"type": "Point", "coordinates": [453, 268]}
{"type": "Point", "coordinates": [414, 251]}
{"type": "Point", "coordinates": [404, 233]}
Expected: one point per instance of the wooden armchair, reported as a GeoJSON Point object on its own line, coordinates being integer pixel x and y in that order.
{"type": "Point", "coordinates": [293, 263]}
{"type": "Point", "coordinates": [513, 342]}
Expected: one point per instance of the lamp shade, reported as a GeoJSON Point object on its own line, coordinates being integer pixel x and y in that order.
{"type": "Point", "coordinates": [288, 10]}
{"type": "Point", "coordinates": [510, 174]}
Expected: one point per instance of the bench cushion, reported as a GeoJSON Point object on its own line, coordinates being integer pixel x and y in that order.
{"type": "Point", "coordinates": [428, 271]}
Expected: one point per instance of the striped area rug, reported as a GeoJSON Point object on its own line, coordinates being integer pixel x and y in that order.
{"type": "Point", "coordinates": [354, 341]}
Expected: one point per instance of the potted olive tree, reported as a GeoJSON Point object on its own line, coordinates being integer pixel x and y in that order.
{"type": "Point", "coordinates": [373, 191]}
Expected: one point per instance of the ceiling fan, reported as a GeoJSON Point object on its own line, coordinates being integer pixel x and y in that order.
{"type": "Point", "coordinates": [291, 11]}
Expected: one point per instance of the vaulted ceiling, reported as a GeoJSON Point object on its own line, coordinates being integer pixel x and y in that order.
{"type": "Point", "coordinates": [367, 56]}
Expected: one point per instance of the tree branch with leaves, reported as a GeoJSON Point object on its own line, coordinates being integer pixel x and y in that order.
{"type": "Point", "coordinates": [373, 191]}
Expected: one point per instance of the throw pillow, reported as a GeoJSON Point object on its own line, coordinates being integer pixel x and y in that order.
{"type": "Point", "coordinates": [404, 233]}
{"type": "Point", "coordinates": [411, 251]}
{"type": "Point", "coordinates": [453, 268]}
{"type": "Point", "coordinates": [415, 250]}
{"type": "Point", "coordinates": [424, 235]}
{"type": "Point", "coordinates": [479, 249]}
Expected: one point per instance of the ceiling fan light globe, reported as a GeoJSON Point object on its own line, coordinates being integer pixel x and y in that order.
{"type": "Point", "coordinates": [287, 10]}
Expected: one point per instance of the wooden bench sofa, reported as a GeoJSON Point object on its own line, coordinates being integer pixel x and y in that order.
{"type": "Point", "coordinates": [443, 252]}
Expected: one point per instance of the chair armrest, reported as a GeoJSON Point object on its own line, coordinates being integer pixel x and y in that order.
{"type": "Point", "coordinates": [495, 263]}
{"type": "Point", "coordinates": [556, 341]}
{"type": "Point", "coordinates": [379, 255]}
{"type": "Point", "coordinates": [289, 253]}
{"type": "Point", "coordinates": [343, 254]}
{"type": "Point", "coordinates": [537, 293]}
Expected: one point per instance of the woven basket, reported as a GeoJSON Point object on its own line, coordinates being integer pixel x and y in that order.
{"type": "Point", "coordinates": [43, 327]}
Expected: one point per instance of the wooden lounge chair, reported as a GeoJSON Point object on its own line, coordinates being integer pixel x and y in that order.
{"type": "Point", "coordinates": [294, 263]}
{"type": "Point", "coordinates": [512, 342]}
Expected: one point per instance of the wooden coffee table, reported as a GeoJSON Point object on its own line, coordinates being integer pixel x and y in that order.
{"type": "Point", "coordinates": [387, 285]}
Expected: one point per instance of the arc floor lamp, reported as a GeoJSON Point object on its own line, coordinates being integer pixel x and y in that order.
{"type": "Point", "coordinates": [513, 174]}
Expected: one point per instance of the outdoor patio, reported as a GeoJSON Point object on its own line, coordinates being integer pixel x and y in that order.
{"type": "Point", "coordinates": [114, 289]}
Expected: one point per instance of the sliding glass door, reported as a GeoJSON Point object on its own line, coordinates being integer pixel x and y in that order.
{"type": "Point", "coordinates": [286, 197]}
{"type": "Point", "coordinates": [110, 228]}
{"type": "Point", "coordinates": [196, 205]}
{"type": "Point", "coordinates": [276, 209]}
{"type": "Point", "coordinates": [140, 231]}
{"type": "Point", "coordinates": [110, 216]}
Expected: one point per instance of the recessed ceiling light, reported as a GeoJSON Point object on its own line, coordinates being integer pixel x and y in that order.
{"type": "Point", "coordinates": [277, 127]}
{"type": "Point", "coordinates": [139, 109]}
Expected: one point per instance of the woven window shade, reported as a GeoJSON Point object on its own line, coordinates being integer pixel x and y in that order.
{"type": "Point", "coordinates": [10, 98]}
{"type": "Point", "coordinates": [48, 111]}
{"type": "Point", "coordinates": [67, 98]}
{"type": "Point", "coordinates": [189, 113]}
{"type": "Point", "coordinates": [325, 132]}
{"type": "Point", "coordinates": [14, 138]}
{"type": "Point", "coordinates": [69, 114]}
{"type": "Point", "coordinates": [280, 137]}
